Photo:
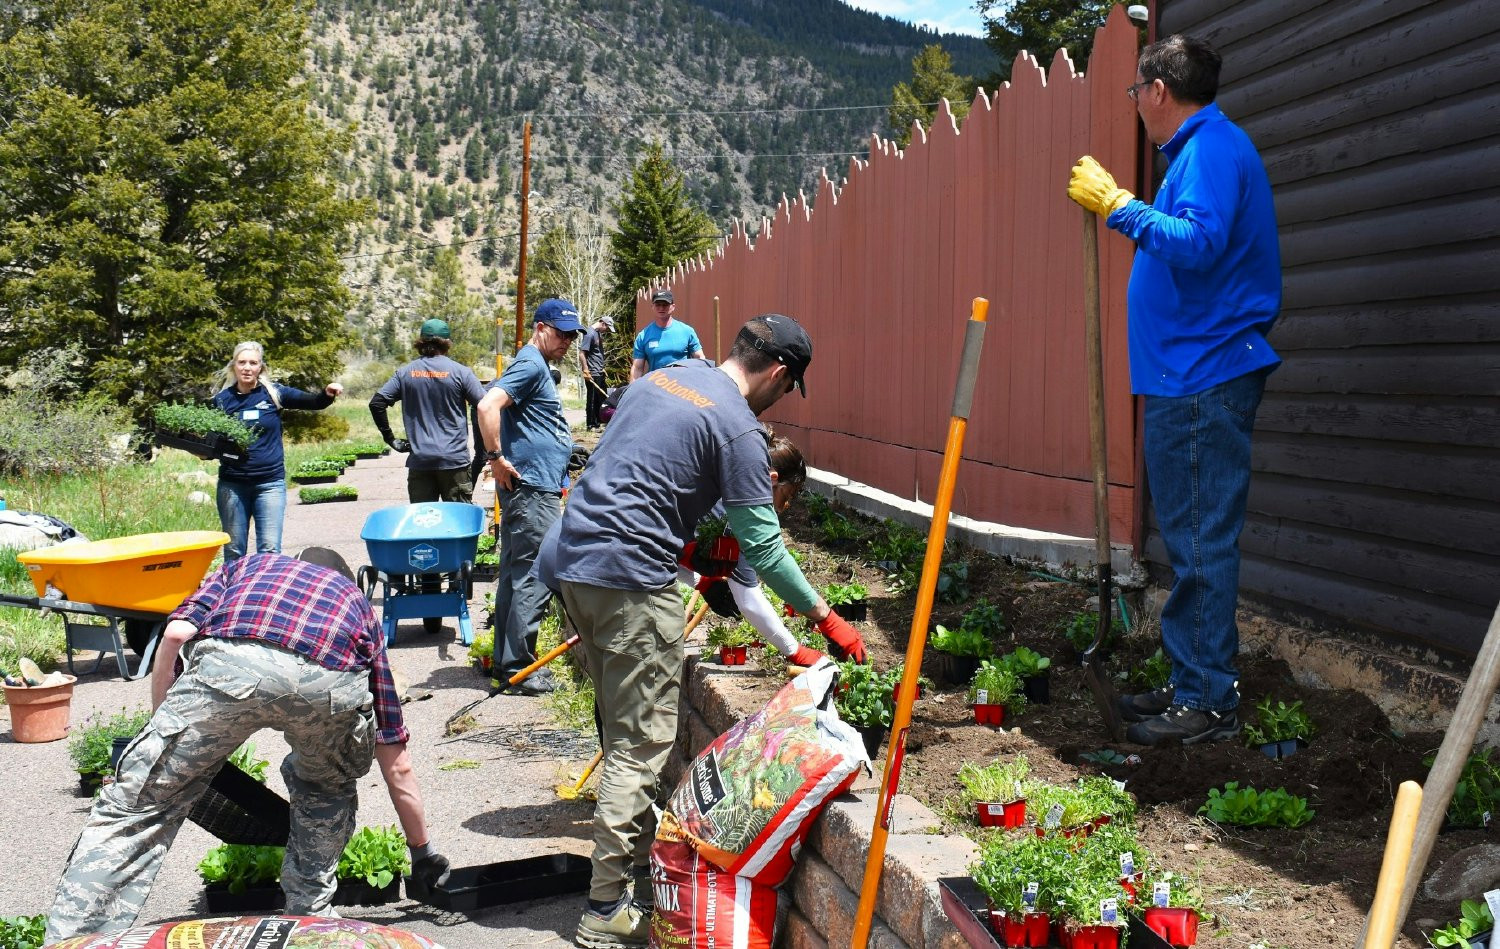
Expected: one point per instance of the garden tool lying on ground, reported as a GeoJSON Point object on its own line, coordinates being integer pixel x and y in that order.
{"type": "Point", "coordinates": [571, 792]}
{"type": "Point", "coordinates": [1098, 682]}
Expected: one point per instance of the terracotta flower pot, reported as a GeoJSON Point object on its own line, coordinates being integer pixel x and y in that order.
{"type": "Point", "coordinates": [1176, 924]}
{"type": "Point", "coordinates": [40, 713]}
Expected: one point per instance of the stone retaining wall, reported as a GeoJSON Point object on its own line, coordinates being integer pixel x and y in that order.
{"type": "Point", "coordinates": [823, 890]}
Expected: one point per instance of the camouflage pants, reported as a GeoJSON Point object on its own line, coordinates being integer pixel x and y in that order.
{"type": "Point", "coordinates": [229, 690]}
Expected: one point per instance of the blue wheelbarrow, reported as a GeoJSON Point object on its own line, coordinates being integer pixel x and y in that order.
{"type": "Point", "coordinates": [422, 560]}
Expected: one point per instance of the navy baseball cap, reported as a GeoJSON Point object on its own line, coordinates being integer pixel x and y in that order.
{"type": "Point", "coordinates": [560, 314]}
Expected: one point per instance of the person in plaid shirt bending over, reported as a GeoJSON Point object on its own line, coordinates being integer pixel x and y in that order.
{"type": "Point", "coordinates": [266, 642]}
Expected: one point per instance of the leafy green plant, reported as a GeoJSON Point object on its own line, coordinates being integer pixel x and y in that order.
{"type": "Point", "coordinates": [1179, 890]}
{"type": "Point", "coordinates": [1476, 796]}
{"type": "Point", "coordinates": [376, 855]}
{"type": "Point", "coordinates": [248, 761]}
{"type": "Point", "coordinates": [370, 449]}
{"type": "Point", "coordinates": [837, 529]}
{"type": "Point", "coordinates": [319, 493]}
{"type": "Point", "coordinates": [997, 685]}
{"type": "Point", "coordinates": [897, 547]}
{"type": "Point", "coordinates": [1279, 722]}
{"type": "Point", "coordinates": [953, 581]}
{"type": "Point", "coordinates": [317, 468]}
{"type": "Point", "coordinates": [483, 646]}
{"type": "Point", "coordinates": [839, 594]}
{"type": "Point", "coordinates": [202, 421]}
{"type": "Point", "coordinates": [239, 866]}
{"type": "Point", "coordinates": [960, 642]}
{"type": "Point", "coordinates": [1154, 672]}
{"type": "Point", "coordinates": [485, 553]}
{"type": "Point", "coordinates": [90, 748]}
{"type": "Point", "coordinates": [1025, 663]}
{"type": "Point", "coordinates": [1082, 627]}
{"type": "Point", "coordinates": [864, 697]}
{"type": "Point", "coordinates": [996, 782]}
{"type": "Point", "coordinates": [1102, 796]}
{"type": "Point", "coordinates": [984, 617]}
{"type": "Point", "coordinates": [1248, 807]}
{"type": "Point", "coordinates": [1085, 800]}
{"type": "Point", "coordinates": [23, 932]}
{"type": "Point", "coordinates": [1094, 876]}
{"type": "Point", "coordinates": [731, 635]}
{"type": "Point", "coordinates": [710, 529]}
{"type": "Point", "coordinates": [1007, 866]}
{"type": "Point", "coordinates": [1475, 919]}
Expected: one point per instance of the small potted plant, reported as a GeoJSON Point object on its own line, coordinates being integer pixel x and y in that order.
{"type": "Point", "coordinates": [1020, 877]}
{"type": "Point", "coordinates": [713, 552]}
{"type": "Point", "coordinates": [1176, 906]}
{"type": "Point", "coordinates": [1090, 898]}
{"type": "Point", "coordinates": [994, 689]}
{"type": "Point", "coordinates": [1281, 730]}
{"type": "Point", "coordinates": [732, 640]}
{"type": "Point", "coordinates": [996, 791]}
{"type": "Point", "coordinates": [203, 431]}
{"type": "Point", "coordinates": [1476, 796]}
{"type": "Point", "coordinates": [92, 747]}
{"type": "Point", "coordinates": [370, 868]}
{"type": "Point", "coordinates": [482, 651]}
{"type": "Point", "coordinates": [1473, 930]}
{"type": "Point", "coordinates": [242, 878]}
{"type": "Point", "coordinates": [486, 559]}
{"type": "Point", "coordinates": [368, 449]}
{"type": "Point", "coordinates": [316, 471]}
{"type": "Point", "coordinates": [958, 652]}
{"type": "Point", "coordinates": [865, 699]}
{"type": "Point", "coordinates": [849, 600]}
{"type": "Point", "coordinates": [1034, 671]}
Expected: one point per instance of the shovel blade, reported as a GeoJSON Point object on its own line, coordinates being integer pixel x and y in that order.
{"type": "Point", "coordinates": [1104, 697]}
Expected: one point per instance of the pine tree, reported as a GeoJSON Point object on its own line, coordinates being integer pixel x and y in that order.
{"type": "Point", "coordinates": [165, 192]}
{"type": "Point", "coordinates": [932, 78]}
{"type": "Point", "coordinates": [1041, 27]}
{"type": "Point", "coordinates": [658, 226]}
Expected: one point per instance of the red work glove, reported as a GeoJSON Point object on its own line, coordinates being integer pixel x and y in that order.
{"type": "Point", "coordinates": [843, 638]}
{"type": "Point", "coordinates": [788, 610]}
{"type": "Point", "coordinates": [804, 656]}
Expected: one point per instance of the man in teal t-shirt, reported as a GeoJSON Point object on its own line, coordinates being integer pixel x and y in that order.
{"type": "Point", "coordinates": [665, 341]}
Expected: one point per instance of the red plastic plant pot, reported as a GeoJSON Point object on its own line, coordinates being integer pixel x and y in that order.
{"type": "Point", "coordinates": [1013, 930]}
{"type": "Point", "coordinates": [1037, 929]}
{"type": "Point", "coordinates": [994, 814]}
{"type": "Point", "coordinates": [732, 655]}
{"type": "Point", "coordinates": [989, 714]}
{"type": "Point", "coordinates": [997, 922]}
{"type": "Point", "coordinates": [1176, 924]}
{"type": "Point", "coordinates": [1095, 937]}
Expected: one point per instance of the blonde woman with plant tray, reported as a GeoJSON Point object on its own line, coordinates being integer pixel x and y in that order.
{"type": "Point", "coordinates": [256, 487]}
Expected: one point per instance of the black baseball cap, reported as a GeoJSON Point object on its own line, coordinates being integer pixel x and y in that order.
{"type": "Point", "coordinates": [788, 343]}
{"type": "Point", "coordinates": [662, 296]}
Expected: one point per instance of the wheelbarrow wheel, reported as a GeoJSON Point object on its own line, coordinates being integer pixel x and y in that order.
{"type": "Point", "coordinates": [466, 579]}
{"type": "Point", "coordinates": [432, 624]}
{"type": "Point", "coordinates": [366, 581]}
{"type": "Point", "coordinates": [138, 633]}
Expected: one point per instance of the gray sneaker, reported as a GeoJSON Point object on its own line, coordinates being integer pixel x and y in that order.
{"type": "Point", "coordinates": [626, 929]}
{"type": "Point", "coordinates": [1144, 705]}
{"type": "Point", "coordinates": [1188, 726]}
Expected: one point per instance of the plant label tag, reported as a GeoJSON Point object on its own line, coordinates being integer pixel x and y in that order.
{"type": "Point", "coordinates": [1018, 795]}
{"type": "Point", "coordinates": [1109, 912]}
{"type": "Point", "coordinates": [982, 697]}
{"type": "Point", "coordinates": [1486, 818]}
{"type": "Point", "coordinates": [1028, 895]}
{"type": "Point", "coordinates": [1161, 893]}
{"type": "Point", "coordinates": [994, 810]}
{"type": "Point", "coordinates": [1054, 817]}
{"type": "Point", "coordinates": [1127, 864]}
{"type": "Point", "coordinates": [1492, 898]}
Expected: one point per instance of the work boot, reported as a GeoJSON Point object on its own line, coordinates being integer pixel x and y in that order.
{"type": "Point", "coordinates": [1144, 705]}
{"type": "Point", "coordinates": [1188, 726]}
{"type": "Point", "coordinates": [626, 928]}
{"type": "Point", "coordinates": [539, 682]}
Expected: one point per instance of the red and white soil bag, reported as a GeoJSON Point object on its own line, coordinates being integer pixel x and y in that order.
{"type": "Point", "coordinates": [700, 906]}
{"type": "Point", "coordinates": [751, 796]}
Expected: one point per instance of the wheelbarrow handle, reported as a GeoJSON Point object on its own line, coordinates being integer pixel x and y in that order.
{"type": "Point", "coordinates": [545, 658]}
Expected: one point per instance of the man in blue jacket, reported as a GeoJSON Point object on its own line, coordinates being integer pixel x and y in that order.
{"type": "Point", "coordinates": [1204, 291]}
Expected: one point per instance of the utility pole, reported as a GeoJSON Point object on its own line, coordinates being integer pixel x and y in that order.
{"type": "Point", "coordinates": [525, 205]}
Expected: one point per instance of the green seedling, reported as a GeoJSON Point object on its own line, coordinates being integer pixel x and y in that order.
{"type": "Point", "coordinates": [1247, 807]}
{"type": "Point", "coordinates": [1279, 722]}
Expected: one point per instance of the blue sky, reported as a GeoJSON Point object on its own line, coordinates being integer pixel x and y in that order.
{"type": "Point", "coordinates": [949, 16]}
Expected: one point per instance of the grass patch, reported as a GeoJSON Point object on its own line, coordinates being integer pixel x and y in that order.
{"type": "Point", "coordinates": [572, 705]}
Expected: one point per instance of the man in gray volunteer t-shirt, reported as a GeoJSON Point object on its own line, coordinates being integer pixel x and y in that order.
{"type": "Point", "coordinates": [684, 438]}
{"type": "Point", "coordinates": [527, 445]}
{"type": "Point", "coordinates": [436, 393]}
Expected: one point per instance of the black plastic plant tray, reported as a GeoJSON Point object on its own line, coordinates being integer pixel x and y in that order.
{"type": "Point", "coordinates": [511, 881]}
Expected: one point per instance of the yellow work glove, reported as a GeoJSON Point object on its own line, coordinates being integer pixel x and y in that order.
{"type": "Point", "coordinates": [1094, 188]}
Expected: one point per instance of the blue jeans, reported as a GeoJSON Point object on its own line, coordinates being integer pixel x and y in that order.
{"type": "Point", "coordinates": [1197, 451]}
{"type": "Point", "coordinates": [520, 599]}
{"type": "Point", "coordinates": [239, 501]}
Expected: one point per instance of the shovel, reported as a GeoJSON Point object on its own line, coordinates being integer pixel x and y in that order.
{"type": "Point", "coordinates": [1098, 683]}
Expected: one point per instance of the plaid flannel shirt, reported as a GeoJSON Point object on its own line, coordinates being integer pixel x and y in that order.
{"type": "Point", "coordinates": [307, 609]}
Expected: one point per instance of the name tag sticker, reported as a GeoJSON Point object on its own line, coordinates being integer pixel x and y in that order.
{"type": "Point", "coordinates": [250, 415]}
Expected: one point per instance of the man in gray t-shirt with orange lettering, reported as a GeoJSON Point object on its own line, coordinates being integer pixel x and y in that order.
{"type": "Point", "coordinates": [685, 438]}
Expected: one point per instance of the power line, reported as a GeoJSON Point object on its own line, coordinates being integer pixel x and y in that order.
{"type": "Point", "coordinates": [694, 112]}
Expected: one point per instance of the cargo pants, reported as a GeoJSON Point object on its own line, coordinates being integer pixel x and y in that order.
{"type": "Point", "coordinates": [230, 689]}
{"type": "Point", "coordinates": [630, 645]}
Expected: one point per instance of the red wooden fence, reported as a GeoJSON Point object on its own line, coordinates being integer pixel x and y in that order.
{"type": "Point", "coordinates": [881, 272]}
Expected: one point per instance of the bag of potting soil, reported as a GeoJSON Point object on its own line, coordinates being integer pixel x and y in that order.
{"type": "Point", "coordinates": [254, 932]}
{"type": "Point", "coordinates": [700, 906]}
{"type": "Point", "coordinates": [751, 796]}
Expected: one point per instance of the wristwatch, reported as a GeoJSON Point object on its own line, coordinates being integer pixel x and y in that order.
{"type": "Point", "coordinates": [493, 455]}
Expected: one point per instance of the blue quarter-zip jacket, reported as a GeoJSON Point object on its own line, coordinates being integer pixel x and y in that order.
{"type": "Point", "coordinates": [1206, 283]}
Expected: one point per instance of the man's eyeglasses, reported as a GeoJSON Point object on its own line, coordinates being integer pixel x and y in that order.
{"type": "Point", "coordinates": [1134, 89]}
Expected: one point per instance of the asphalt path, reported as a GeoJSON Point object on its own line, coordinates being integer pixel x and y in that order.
{"type": "Point", "coordinates": [496, 800]}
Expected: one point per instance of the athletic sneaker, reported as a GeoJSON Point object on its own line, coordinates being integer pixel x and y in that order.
{"type": "Point", "coordinates": [1186, 725]}
{"type": "Point", "coordinates": [539, 682]}
{"type": "Point", "coordinates": [1144, 705]}
{"type": "Point", "coordinates": [626, 929]}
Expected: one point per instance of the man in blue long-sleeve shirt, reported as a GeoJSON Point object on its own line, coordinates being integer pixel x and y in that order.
{"type": "Point", "coordinates": [1205, 289]}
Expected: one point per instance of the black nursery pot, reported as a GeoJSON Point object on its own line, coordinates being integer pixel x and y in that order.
{"type": "Point", "coordinates": [1277, 750]}
{"type": "Point", "coordinates": [1038, 689]}
{"type": "Point", "coordinates": [856, 612]}
{"type": "Point", "coordinates": [956, 670]}
{"type": "Point", "coordinates": [262, 898]}
{"type": "Point", "coordinates": [360, 893]}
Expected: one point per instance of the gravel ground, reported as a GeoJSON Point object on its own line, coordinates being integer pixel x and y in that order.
{"type": "Point", "coordinates": [503, 809]}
